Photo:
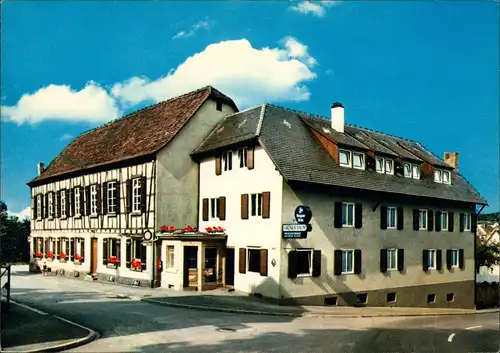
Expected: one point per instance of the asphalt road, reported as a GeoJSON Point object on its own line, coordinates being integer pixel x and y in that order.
{"type": "Point", "coordinates": [127, 324]}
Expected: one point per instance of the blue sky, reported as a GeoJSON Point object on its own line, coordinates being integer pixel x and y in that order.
{"type": "Point", "coordinates": [422, 70]}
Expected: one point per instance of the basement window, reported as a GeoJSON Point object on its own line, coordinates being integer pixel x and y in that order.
{"type": "Point", "coordinates": [450, 297]}
{"type": "Point", "coordinates": [362, 298]}
{"type": "Point", "coordinates": [391, 297]}
{"type": "Point", "coordinates": [431, 298]}
{"type": "Point", "coordinates": [330, 301]}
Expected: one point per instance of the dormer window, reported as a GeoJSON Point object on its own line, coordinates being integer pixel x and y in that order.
{"type": "Point", "coordinates": [446, 177]}
{"type": "Point", "coordinates": [352, 159]}
{"type": "Point", "coordinates": [438, 176]}
{"type": "Point", "coordinates": [407, 170]}
{"type": "Point", "coordinates": [416, 171]}
{"type": "Point", "coordinates": [227, 160]}
{"type": "Point", "coordinates": [389, 166]}
{"type": "Point", "coordinates": [411, 171]}
{"type": "Point", "coordinates": [358, 160]}
{"type": "Point", "coordinates": [384, 165]}
{"type": "Point", "coordinates": [442, 176]}
{"type": "Point", "coordinates": [345, 158]}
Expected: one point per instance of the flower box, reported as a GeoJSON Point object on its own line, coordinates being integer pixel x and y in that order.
{"type": "Point", "coordinates": [215, 230]}
{"type": "Point", "coordinates": [38, 255]}
{"type": "Point", "coordinates": [136, 265]}
{"type": "Point", "coordinates": [63, 257]}
{"type": "Point", "coordinates": [112, 262]}
{"type": "Point", "coordinates": [167, 229]}
{"type": "Point", "coordinates": [112, 266]}
{"type": "Point", "coordinates": [189, 230]}
{"type": "Point", "coordinates": [50, 256]}
{"type": "Point", "coordinates": [77, 262]}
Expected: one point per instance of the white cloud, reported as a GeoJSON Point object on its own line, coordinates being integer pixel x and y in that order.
{"type": "Point", "coordinates": [61, 102]}
{"type": "Point", "coordinates": [193, 30]}
{"type": "Point", "coordinates": [66, 137]}
{"type": "Point", "coordinates": [248, 75]}
{"type": "Point", "coordinates": [26, 213]}
{"type": "Point", "coordinates": [316, 8]}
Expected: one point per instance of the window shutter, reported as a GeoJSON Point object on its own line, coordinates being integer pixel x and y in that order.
{"type": "Point", "coordinates": [117, 243]}
{"type": "Point", "coordinates": [416, 215]}
{"type": "Point", "coordinates": [451, 222]}
{"type": "Point", "coordinates": [46, 250]}
{"type": "Point", "coordinates": [337, 216]}
{"type": "Point", "coordinates": [87, 200]}
{"type": "Point", "coordinates": [242, 258]}
{"type": "Point", "coordinates": [82, 204]}
{"type": "Point", "coordinates": [104, 198]}
{"type": "Point", "coordinates": [292, 264]}
{"type": "Point", "coordinates": [438, 221]}
{"type": "Point", "coordinates": [461, 259]}
{"type": "Point", "coordinates": [128, 252]}
{"type": "Point", "coordinates": [250, 157]}
{"type": "Point", "coordinates": [462, 222]}
{"type": "Point", "coordinates": [46, 206]}
{"type": "Point", "coordinates": [383, 217]}
{"type": "Point", "coordinates": [430, 220]}
{"type": "Point", "coordinates": [473, 222]}
{"type": "Point", "coordinates": [66, 205]}
{"type": "Point", "coordinates": [358, 215]}
{"type": "Point", "coordinates": [383, 260]}
{"type": "Point", "coordinates": [128, 191]}
{"type": "Point", "coordinates": [244, 206]}
{"type": "Point", "coordinates": [71, 202]}
{"type": "Point", "coordinates": [58, 246]}
{"type": "Point", "coordinates": [144, 194]}
{"type": "Point", "coordinates": [357, 261]}
{"type": "Point", "coordinates": [73, 248]}
{"type": "Point", "coordinates": [400, 218]}
{"type": "Point", "coordinates": [263, 262]}
{"type": "Point", "coordinates": [67, 248]}
{"type": "Point", "coordinates": [35, 207]}
{"type": "Point", "coordinates": [218, 164]}
{"type": "Point", "coordinates": [401, 260]}
{"type": "Point", "coordinates": [337, 262]}
{"type": "Point", "coordinates": [439, 260]}
{"type": "Point", "coordinates": [425, 260]}
{"type": "Point", "coordinates": [143, 256]}
{"type": "Point", "coordinates": [99, 199]}
{"type": "Point", "coordinates": [118, 198]}
{"type": "Point", "coordinates": [58, 209]}
{"type": "Point", "coordinates": [104, 250]}
{"type": "Point", "coordinates": [266, 204]}
{"type": "Point", "coordinates": [448, 259]}
{"type": "Point", "coordinates": [204, 211]}
{"type": "Point", "coordinates": [83, 249]}
{"type": "Point", "coordinates": [222, 208]}
{"type": "Point", "coordinates": [316, 263]}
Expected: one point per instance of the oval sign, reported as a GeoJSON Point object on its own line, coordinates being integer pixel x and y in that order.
{"type": "Point", "coordinates": [148, 235]}
{"type": "Point", "coordinates": [303, 214]}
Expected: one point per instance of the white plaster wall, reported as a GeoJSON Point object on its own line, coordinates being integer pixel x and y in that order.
{"type": "Point", "coordinates": [172, 276]}
{"type": "Point", "coordinates": [255, 231]}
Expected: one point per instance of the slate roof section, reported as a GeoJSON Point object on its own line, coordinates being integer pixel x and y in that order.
{"type": "Point", "coordinates": [369, 141]}
{"type": "Point", "coordinates": [299, 156]}
{"type": "Point", "coordinates": [140, 133]}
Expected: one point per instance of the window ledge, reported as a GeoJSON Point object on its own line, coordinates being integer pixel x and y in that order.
{"type": "Point", "coordinates": [63, 218]}
{"type": "Point", "coordinates": [347, 273]}
{"type": "Point", "coordinates": [94, 216]}
{"type": "Point", "coordinates": [304, 275]}
{"type": "Point", "coordinates": [77, 216]}
{"type": "Point", "coordinates": [111, 214]}
{"type": "Point", "coordinates": [347, 226]}
{"type": "Point", "coordinates": [136, 213]}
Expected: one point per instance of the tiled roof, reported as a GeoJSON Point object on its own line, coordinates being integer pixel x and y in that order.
{"type": "Point", "coordinates": [140, 133]}
{"type": "Point", "coordinates": [299, 156]}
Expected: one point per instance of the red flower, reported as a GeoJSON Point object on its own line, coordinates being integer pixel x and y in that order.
{"type": "Point", "coordinates": [50, 254]}
{"type": "Point", "coordinates": [164, 228]}
{"type": "Point", "coordinates": [113, 260]}
{"type": "Point", "coordinates": [78, 257]}
{"type": "Point", "coordinates": [171, 228]}
{"type": "Point", "coordinates": [189, 229]}
{"type": "Point", "coordinates": [209, 229]}
{"type": "Point", "coordinates": [38, 254]}
{"type": "Point", "coordinates": [136, 264]}
{"type": "Point", "coordinates": [220, 229]}
{"type": "Point", "coordinates": [62, 255]}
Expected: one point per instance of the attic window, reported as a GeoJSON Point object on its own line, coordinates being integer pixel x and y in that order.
{"type": "Point", "coordinates": [218, 105]}
{"type": "Point", "coordinates": [412, 171]}
{"type": "Point", "coordinates": [345, 158]}
{"type": "Point", "coordinates": [358, 160]}
{"type": "Point", "coordinates": [442, 176]}
{"type": "Point", "coordinates": [446, 177]}
{"type": "Point", "coordinates": [438, 176]}
{"type": "Point", "coordinates": [385, 165]}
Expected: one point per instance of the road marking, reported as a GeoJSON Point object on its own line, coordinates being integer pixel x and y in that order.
{"type": "Point", "coordinates": [472, 327]}
{"type": "Point", "coordinates": [451, 337]}
{"type": "Point", "coordinates": [29, 308]}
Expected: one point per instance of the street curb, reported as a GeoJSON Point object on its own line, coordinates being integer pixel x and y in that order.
{"type": "Point", "coordinates": [60, 347]}
{"type": "Point", "coordinates": [306, 314]}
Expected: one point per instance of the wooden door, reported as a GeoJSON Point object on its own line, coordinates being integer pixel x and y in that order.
{"type": "Point", "coordinates": [93, 257]}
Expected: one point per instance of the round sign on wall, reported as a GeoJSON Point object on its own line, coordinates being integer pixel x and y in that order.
{"type": "Point", "coordinates": [147, 235]}
{"type": "Point", "coordinates": [303, 214]}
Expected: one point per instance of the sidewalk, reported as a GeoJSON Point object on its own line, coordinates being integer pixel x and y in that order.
{"type": "Point", "coordinates": [25, 330]}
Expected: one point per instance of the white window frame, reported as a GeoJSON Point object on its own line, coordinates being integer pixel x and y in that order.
{"type": "Point", "coordinates": [377, 169]}
{"type": "Point", "coordinates": [39, 210]}
{"type": "Point", "coordinates": [76, 200]}
{"type": "Point", "coordinates": [415, 171]}
{"type": "Point", "coordinates": [420, 225]}
{"type": "Point", "coordinates": [389, 226]}
{"type": "Point", "coordinates": [136, 195]}
{"type": "Point", "coordinates": [80, 247]}
{"type": "Point", "coordinates": [133, 249]}
{"type": "Point", "coordinates": [214, 208]}
{"type": "Point", "coordinates": [408, 174]}
{"type": "Point", "coordinates": [113, 250]}
{"type": "Point", "coordinates": [349, 158]}
{"type": "Point", "coordinates": [438, 176]}
{"type": "Point", "coordinates": [51, 205]}
{"type": "Point", "coordinates": [311, 254]}
{"type": "Point", "coordinates": [362, 156]}
{"type": "Point", "coordinates": [93, 200]}
{"type": "Point", "coordinates": [432, 254]}
{"type": "Point", "coordinates": [384, 169]}
{"type": "Point", "coordinates": [111, 197]}
{"type": "Point", "coordinates": [394, 266]}
{"type": "Point", "coordinates": [344, 261]}
{"type": "Point", "coordinates": [444, 225]}
{"type": "Point", "coordinates": [391, 163]}
{"type": "Point", "coordinates": [227, 160]}
{"type": "Point", "coordinates": [347, 206]}
{"type": "Point", "coordinates": [256, 199]}
{"type": "Point", "coordinates": [242, 156]}
{"type": "Point", "coordinates": [456, 263]}
{"type": "Point", "coordinates": [170, 257]}
{"type": "Point", "coordinates": [446, 172]}
{"type": "Point", "coordinates": [63, 202]}
{"type": "Point", "coordinates": [468, 222]}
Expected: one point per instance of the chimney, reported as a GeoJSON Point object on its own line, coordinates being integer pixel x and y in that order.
{"type": "Point", "coordinates": [338, 117]}
{"type": "Point", "coordinates": [40, 168]}
{"type": "Point", "coordinates": [451, 158]}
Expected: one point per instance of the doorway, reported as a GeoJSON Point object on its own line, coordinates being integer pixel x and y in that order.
{"type": "Point", "coordinates": [158, 264]}
{"type": "Point", "coordinates": [93, 257]}
{"type": "Point", "coordinates": [229, 277]}
{"type": "Point", "coordinates": [191, 267]}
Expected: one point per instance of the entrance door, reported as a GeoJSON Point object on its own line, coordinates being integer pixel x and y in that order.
{"type": "Point", "coordinates": [158, 264]}
{"type": "Point", "coordinates": [230, 267]}
{"type": "Point", "coordinates": [191, 266]}
{"type": "Point", "coordinates": [93, 257]}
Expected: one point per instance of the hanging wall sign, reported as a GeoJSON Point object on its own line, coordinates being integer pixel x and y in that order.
{"type": "Point", "coordinates": [303, 214]}
{"type": "Point", "coordinates": [298, 230]}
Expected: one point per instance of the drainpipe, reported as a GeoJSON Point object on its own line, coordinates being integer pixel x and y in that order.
{"type": "Point", "coordinates": [153, 262]}
{"type": "Point", "coordinates": [475, 250]}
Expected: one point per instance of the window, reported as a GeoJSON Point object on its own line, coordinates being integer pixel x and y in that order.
{"type": "Point", "coordinates": [438, 176]}
{"type": "Point", "coordinates": [93, 199]}
{"type": "Point", "coordinates": [454, 258]}
{"type": "Point", "coordinates": [422, 219]}
{"type": "Point", "coordinates": [113, 245]}
{"type": "Point", "coordinates": [111, 197]}
{"type": "Point", "coordinates": [384, 165]}
{"type": "Point", "coordinates": [358, 160]}
{"type": "Point", "coordinates": [218, 105]}
{"type": "Point", "coordinates": [391, 217]}
{"type": "Point", "coordinates": [136, 195]}
{"type": "Point", "coordinates": [227, 158]}
{"type": "Point", "coordinates": [256, 204]}
{"type": "Point", "coordinates": [214, 208]}
{"type": "Point", "coordinates": [242, 155]}
{"type": "Point", "coordinates": [431, 260]}
{"type": "Point", "coordinates": [416, 171]}
{"type": "Point", "coordinates": [407, 170]}
{"type": "Point", "coordinates": [347, 215]}
{"type": "Point", "coordinates": [51, 205]}
{"type": "Point", "coordinates": [444, 220]}
{"type": "Point", "coordinates": [63, 203]}
{"type": "Point", "coordinates": [389, 164]}
{"type": "Point", "coordinates": [467, 222]}
{"type": "Point", "coordinates": [79, 247]}
{"type": "Point", "coordinates": [380, 165]}
{"type": "Point", "coordinates": [170, 257]}
{"type": "Point", "coordinates": [138, 250]}
{"type": "Point", "coordinates": [345, 158]}
{"type": "Point", "coordinates": [254, 260]}
{"type": "Point", "coordinates": [347, 261]}
{"type": "Point", "coordinates": [39, 207]}
{"type": "Point", "coordinates": [304, 262]}
{"type": "Point", "coordinates": [392, 259]}
{"type": "Point", "coordinates": [77, 201]}
{"type": "Point", "coordinates": [446, 177]}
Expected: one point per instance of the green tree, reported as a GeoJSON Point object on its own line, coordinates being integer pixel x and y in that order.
{"type": "Point", "coordinates": [14, 234]}
{"type": "Point", "coordinates": [487, 254]}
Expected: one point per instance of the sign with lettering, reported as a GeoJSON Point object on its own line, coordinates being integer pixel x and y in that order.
{"type": "Point", "coordinates": [303, 214]}
{"type": "Point", "coordinates": [294, 235]}
{"type": "Point", "coordinates": [294, 227]}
